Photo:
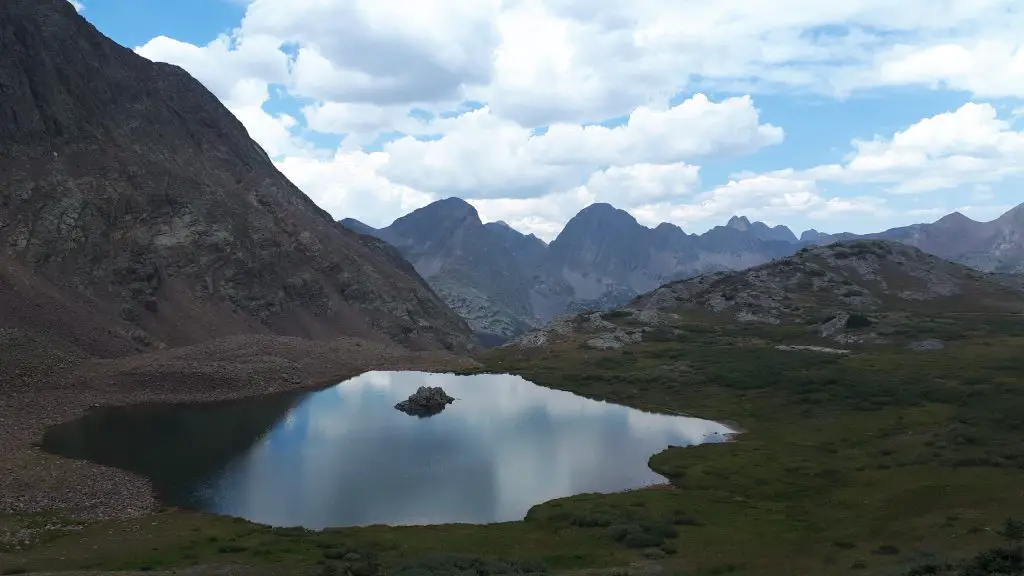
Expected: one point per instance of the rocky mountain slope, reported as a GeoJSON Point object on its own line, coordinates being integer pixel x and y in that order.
{"type": "Point", "coordinates": [484, 272]}
{"type": "Point", "coordinates": [504, 282]}
{"type": "Point", "coordinates": [858, 291]}
{"type": "Point", "coordinates": [604, 257]}
{"type": "Point", "coordinates": [996, 246]}
{"type": "Point", "coordinates": [136, 212]}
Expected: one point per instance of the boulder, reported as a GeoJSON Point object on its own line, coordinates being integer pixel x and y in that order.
{"type": "Point", "coordinates": [426, 401]}
{"type": "Point", "coordinates": [929, 344]}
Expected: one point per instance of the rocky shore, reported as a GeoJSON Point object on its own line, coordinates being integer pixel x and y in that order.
{"type": "Point", "coordinates": [32, 481]}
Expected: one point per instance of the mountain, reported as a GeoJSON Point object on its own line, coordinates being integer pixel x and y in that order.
{"type": "Point", "coordinates": [136, 211]}
{"type": "Point", "coordinates": [504, 282]}
{"type": "Point", "coordinates": [995, 246]}
{"type": "Point", "coordinates": [481, 271]}
{"type": "Point", "coordinates": [604, 257]}
{"type": "Point", "coordinates": [858, 276]}
{"type": "Point", "coordinates": [859, 291]}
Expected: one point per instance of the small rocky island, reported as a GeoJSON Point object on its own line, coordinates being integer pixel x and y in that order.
{"type": "Point", "coordinates": [426, 401]}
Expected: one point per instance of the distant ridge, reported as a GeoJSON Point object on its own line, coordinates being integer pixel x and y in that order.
{"type": "Point", "coordinates": [504, 282]}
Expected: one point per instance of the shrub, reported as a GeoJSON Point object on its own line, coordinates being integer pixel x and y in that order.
{"type": "Point", "coordinates": [684, 520]}
{"type": "Point", "coordinates": [642, 540]}
{"type": "Point", "coordinates": [620, 531]}
{"type": "Point", "coordinates": [661, 530]}
{"type": "Point", "coordinates": [232, 549]}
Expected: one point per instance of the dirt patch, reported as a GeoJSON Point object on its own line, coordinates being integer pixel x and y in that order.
{"type": "Point", "coordinates": [32, 481]}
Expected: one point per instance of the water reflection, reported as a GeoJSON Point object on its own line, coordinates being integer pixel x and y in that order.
{"type": "Point", "coordinates": [345, 456]}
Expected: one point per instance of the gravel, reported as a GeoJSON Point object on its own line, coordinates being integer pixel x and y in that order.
{"type": "Point", "coordinates": [32, 481]}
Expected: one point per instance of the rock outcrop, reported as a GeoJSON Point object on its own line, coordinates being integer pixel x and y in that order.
{"type": "Point", "coordinates": [425, 401]}
{"type": "Point", "coordinates": [857, 292]}
{"type": "Point", "coordinates": [848, 281]}
{"type": "Point", "coordinates": [130, 193]}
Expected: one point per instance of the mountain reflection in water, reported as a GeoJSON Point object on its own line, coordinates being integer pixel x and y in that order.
{"type": "Point", "coordinates": [344, 456]}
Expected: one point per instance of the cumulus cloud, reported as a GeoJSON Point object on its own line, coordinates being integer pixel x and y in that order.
{"type": "Point", "coordinates": [971, 144]}
{"type": "Point", "coordinates": [969, 148]}
{"type": "Point", "coordinates": [486, 156]}
{"type": "Point", "coordinates": [78, 5]}
{"type": "Point", "coordinates": [349, 185]}
{"type": "Point", "coordinates": [570, 102]}
{"type": "Point", "coordinates": [539, 62]}
{"type": "Point", "coordinates": [382, 51]}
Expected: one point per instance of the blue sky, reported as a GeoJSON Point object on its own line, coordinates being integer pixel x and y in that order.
{"type": "Point", "coordinates": [840, 118]}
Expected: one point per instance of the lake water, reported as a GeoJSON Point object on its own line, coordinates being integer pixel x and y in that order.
{"type": "Point", "coordinates": [343, 456]}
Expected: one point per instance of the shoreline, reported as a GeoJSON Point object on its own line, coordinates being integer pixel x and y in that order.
{"type": "Point", "coordinates": [35, 482]}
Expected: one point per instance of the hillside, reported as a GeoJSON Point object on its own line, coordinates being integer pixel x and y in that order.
{"type": "Point", "coordinates": [995, 246]}
{"type": "Point", "coordinates": [861, 291]}
{"type": "Point", "coordinates": [137, 213]}
{"type": "Point", "coordinates": [877, 390]}
{"type": "Point", "coordinates": [859, 276]}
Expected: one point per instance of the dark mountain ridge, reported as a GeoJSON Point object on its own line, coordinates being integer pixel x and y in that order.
{"type": "Point", "coordinates": [132, 194]}
{"type": "Point", "coordinates": [604, 257]}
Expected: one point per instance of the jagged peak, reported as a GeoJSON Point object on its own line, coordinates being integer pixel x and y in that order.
{"type": "Point", "coordinates": [741, 223]}
{"type": "Point", "coordinates": [811, 234]}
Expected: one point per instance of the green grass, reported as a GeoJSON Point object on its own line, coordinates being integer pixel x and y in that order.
{"type": "Point", "coordinates": [873, 463]}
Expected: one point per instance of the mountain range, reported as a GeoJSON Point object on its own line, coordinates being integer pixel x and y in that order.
{"type": "Point", "coordinates": [504, 282]}
{"type": "Point", "coordinates": [136, 213]}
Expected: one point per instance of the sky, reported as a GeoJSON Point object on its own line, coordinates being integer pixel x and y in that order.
{"type": "Point", "coordinates": [853, 116]}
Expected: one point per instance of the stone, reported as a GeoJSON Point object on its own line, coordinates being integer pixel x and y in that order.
{"type": "Point", "coordinates": [614, 340]}
{"type": "Point", "coordinates": [835, 325]}
{"type": "Point", "coordinates": [929, 344]}
{"type": "Point", "coordinates": [426, 401]}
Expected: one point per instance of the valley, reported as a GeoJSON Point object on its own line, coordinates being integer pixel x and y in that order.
{"type": "Point", "coordinates": [889, 457]}
{"type": "Point", "coordinates": [199, 366]}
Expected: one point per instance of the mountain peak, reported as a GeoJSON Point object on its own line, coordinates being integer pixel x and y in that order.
{"type": "Point", "coordinates": [448, 210]}
{"type": "Point", "coordinates": [599, 216]}
{"type": "Point", "coordinates": [740, 223]}
{"type": "Point", "coordinates": [953, 219]}
{"type": "Point", "coordinates": [603, 210]}
{"type": "Point", "coordinates": [811, 235]}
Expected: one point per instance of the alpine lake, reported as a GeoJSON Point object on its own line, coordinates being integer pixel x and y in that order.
{"type": "Point", "coordinates": [344, 456]}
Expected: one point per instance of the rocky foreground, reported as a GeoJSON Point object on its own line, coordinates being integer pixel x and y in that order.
{"type": "Point", "coordinates": [32, 481]}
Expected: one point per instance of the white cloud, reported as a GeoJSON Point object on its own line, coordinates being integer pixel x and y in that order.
{"type": "Point", "coordinates": [381, 51]}
{"type": "Point", "coordinates": [986, 68]}
{"type": "Point", "coordinates": [361, 66]}
{"type": "Point", "coordinates": [485, 156]}
{"type": "Point", "coordinates": [969, 148]}
{"type": "Point", "coordinates": [349, 185]}
{"type": "Point", "coordinates": [78, 5]}
{"type": "Point", "coordinates": [538, 62]}
{"type": "Point", "coordinates": [969, 145]}
{"type": "Point", "coordinates": [237, 69]}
